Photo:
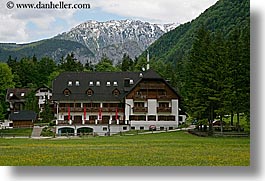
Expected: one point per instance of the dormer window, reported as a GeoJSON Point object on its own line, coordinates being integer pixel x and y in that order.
{"type": "Point", "coordinates": [131, 82]}
{"type": "Point", "coordinates": [66, 92]}
{"type": "Point", "coordinates": [70, 83]}
{"type": "Point", "coordinates": [77, 83]}
{"type": "Point", "coordinates": [22, 94]}
{"type": "Point", "coordinates": [89, 92]}
{"type": "Point", "coordinates": [108, 84]}
{"type": "Point", "coordinates": [91, 83]}
{"type": "Point", "coordinates": [98, 83]}
{"type": "Point", "coordinates": [115, 83]}
{"type": "Point", "coordinates": [116, 92]}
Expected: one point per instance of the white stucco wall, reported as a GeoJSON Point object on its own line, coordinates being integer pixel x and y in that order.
{"type": "Point", "coordinates": [159, 124]}
{"type": "Point", "coordinates": [101, 130]}
{"type": "Point", "coordinates": [42, 96]}
{"type": "Point", "coordinates": [128, 108]}
{"type": "Point", "coordinates": [152, 104]}
{"type": "Point", "coordinates": [175, 109]}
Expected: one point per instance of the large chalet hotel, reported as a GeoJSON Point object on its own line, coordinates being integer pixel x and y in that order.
{"type": "Point", "coordinates": [112, 102]}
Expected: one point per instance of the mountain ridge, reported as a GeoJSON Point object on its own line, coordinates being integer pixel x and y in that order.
{"type": "Point", "coordinates": [92, 40]}
{"type": "Point", "coordinates": [116, 34]}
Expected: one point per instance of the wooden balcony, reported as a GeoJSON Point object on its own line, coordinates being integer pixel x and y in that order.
{"type": "Point", "coordinates": [92, 122]}
{"type": "Point", "coordinates": [111, 109]}
{"type": "Point", "coordinates": [151, 86]}
{"type": "Point", "coordinates": [139, 109]}
{"type": "Point", "coordinates": [72, 109]}
{"type": "Point", "coordinates": [139, 97]}
{"type": "Point", "coordinates": [63, 122]}
{"type": "Point", "coordinates": [164, 109]}
{"type": "Point", "coordinates": [90, 109]}
{"type": "Point", "coordinates": [163, 97]}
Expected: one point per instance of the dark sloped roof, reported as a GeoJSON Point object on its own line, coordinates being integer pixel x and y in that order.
{"type": "Point", "coordinates": [17, 93]}
{"type": "Point", "coordinates": [125, 83]}
{"type": "Point", "coordinates": [45, 87]}
{"type": "Point", "coordinates": [151, 74]}
{"type": "Point", "coordinates": [101, 92]}
{"type": "Point", "coordinates": [23, 116]}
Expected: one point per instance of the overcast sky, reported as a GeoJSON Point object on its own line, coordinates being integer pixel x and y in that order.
{"type": "Point", "coordinates": [27, 25]}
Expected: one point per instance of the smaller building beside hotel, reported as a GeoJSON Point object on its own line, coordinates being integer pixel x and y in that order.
{"type": "Point", "coordinates": [23, 119]}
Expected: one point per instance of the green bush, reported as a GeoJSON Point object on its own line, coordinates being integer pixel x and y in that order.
{"type": "Point", "coordinates": [47, 131]}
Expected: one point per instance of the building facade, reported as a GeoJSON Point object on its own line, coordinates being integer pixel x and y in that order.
{"type": "Point", "coordinates": [23, 119]}
{"type": "Point", "coordinates": [111, 102]}
{"type": "Point", "coordinates": [43, 94]}
{"type": "Point", "coordinates": [16, 97]}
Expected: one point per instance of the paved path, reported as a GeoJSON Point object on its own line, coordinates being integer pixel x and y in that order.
{"type": "Point", "coordinates": [36, 132]}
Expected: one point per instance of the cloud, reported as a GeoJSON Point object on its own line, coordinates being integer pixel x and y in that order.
{"type": "Point", "coordinates": [16, 24]}
{"type": "Point", "coordinates": [25, 25]}
{"type": "Point", "coordinates": [179, 11]}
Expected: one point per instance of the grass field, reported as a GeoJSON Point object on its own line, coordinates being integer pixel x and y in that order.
{"type": "Point", "coordinates": [164, 149]}
{"type": "Point", "coordinates": [16, 132]}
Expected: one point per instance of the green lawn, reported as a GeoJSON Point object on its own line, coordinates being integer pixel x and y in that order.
{"type": "Point", "coordinates": [15, 132]}
{"type": "Point", "coordinates": [164, 149]}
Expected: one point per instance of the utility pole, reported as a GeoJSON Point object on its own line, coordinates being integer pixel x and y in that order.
{"type": "Point", "coordinates": [148, 65]}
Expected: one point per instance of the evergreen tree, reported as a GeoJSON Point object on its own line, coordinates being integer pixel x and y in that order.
{"type": "Point", "coordinates": [105, 65]}
{"type": "Point", "coordinates": [205, 82]}
{"type": "Point", "coordinates": [71, 64]}
{"type": "Point", "coordinates": [45, 67]}
{"type": "Point", "coordinates": [14, 65]}
{"type": "Point", "coordinates": [239, 71]}
{"type": "Point", "coordinates": [6, 81]}
{"type": "Point", "coordinates": [127, 63]}
{"type": "Point", "coordinates": [89, 67]}
{"type": "Point", "coordinates": [140, 64]}
{"type": "Point", "coordinates": [28, 73]}
{"type": "Point", "coordinates": [31, 102]}
{"type": "Point", "coordinates": [2, 115]}
{"type": "Point", "coordinates": [47, 114]}
{"type": "Point", "coordinates": [52, 76]}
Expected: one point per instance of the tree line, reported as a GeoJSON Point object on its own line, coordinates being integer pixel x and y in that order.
{"type": "Point", "coordinates": [29, 72]}
{"type": "Point", "coordinates": [213, 78]}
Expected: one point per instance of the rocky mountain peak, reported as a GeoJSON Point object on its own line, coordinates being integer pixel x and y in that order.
{"type": "Point", "coordinates": [115, 37]}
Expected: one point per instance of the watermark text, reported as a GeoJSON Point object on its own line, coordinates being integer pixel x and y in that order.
{"type": "Point", "coordinates": [50, 5]}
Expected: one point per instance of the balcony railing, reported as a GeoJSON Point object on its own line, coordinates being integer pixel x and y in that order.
{"type": "Point", "coordinates": [72, 109]}
{"type": "Point", "coordinates": [111, 109]}
{"type": "Point", "coordinates": [164, 109]}
{"type": "Point", "coordinates": [140, 109]}
{"type": "Point", "coordinates": [164, 97]}
{"type": "Point", "coordinates": [90, 109]}
{"type": "Point", "coordinates": [151, 86]}
{"type": "Point", "coordinates": [140, 97]}
{"type": "Point", "coordinates": [62, 122]}
{"type": "Point", "coordinates": [92, 122]}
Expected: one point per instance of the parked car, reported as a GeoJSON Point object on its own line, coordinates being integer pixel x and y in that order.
{"type": "Point", "coordinates": [218, 123]}
{"type": "Point", "coordinates": [152, 128]}
{"type": "Point", "coordinates": [194, 122]}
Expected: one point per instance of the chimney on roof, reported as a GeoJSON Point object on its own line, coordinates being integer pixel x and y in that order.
{"type": "Point", "coordinates": [148, 65]}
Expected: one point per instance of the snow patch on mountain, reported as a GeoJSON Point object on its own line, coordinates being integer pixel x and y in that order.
{"type": "Point", "coordinates": [116, 37]}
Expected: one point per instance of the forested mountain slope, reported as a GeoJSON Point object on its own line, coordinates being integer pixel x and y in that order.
{"type": "Point", "coordinates": [52, 48]}
{"type": "Point", "coordinates": [224, 16]}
